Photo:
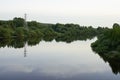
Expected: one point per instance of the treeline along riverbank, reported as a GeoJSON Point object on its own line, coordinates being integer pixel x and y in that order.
{"type": "Point", "coordinates": [16, 28]}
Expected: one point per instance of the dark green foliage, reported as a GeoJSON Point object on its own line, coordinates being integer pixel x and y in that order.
{"type": "Point", "coordinates": [72, 32]}
{"type": "Point", "coordinates": [32, 34]}
{"type": "Point", "coordinates": [108, 41]}
{"type": "Point", "coordinates": [4, 32]}
{"type": "Point", "coordinates": [60, 32]}
{"type": "Point", "coordinates": [39, 33]}
{"type": "Point", "coordinates": [19, 32]}
{"type": "Point", "coordinates": [33, 24]}
{"type": "Point", "coordinates": [33, 41]}
{"type": "Point", "coordinates": [18, 22]}
{"type": "Point", "coordinates": [36, 29]}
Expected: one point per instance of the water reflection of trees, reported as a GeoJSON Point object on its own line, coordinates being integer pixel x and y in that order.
{"type": "Point", "coordinates": [113, 58]}
{"type": "Point", "coordinates": [20, 43]}
{"type": "Point", "coordinates": [24, 42]}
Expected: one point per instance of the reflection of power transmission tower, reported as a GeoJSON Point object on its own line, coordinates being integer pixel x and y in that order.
{"type": "Point", "coordinates": [25, 50]}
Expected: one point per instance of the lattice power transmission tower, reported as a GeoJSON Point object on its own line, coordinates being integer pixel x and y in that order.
{"type": "Point", "coordinates": [25, 22]}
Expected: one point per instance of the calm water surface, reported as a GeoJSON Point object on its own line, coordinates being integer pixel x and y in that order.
{"type": "Point", "coordinates": [54, 61]}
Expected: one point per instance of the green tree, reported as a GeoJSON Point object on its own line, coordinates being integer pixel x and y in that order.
{"type": "Point", "coordinates": [18, 22]}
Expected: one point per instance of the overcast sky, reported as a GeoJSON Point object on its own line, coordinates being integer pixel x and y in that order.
{"type": "Point", "coordinates": [84, 12]}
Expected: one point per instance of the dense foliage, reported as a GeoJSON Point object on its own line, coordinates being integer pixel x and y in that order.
{"type": "Point", "coordinates": [16, 28]}
{"type": "Point", "coordinates": [109, 41]}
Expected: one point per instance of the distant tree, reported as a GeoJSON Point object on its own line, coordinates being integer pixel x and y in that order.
{"type": "Point", "coordinates": [18, 22]}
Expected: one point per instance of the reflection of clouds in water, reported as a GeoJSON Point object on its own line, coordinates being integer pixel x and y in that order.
{"type": "Point", "coordinates": [69, 71]}
{"type": "Point", "coordinates": [57, 60]}
{"type": "Point", "coordinates": [54, 61]}
{"type": "Point", "coordinates": [15, 68]}
{"type": "Point", "coordinates": [60, 70]}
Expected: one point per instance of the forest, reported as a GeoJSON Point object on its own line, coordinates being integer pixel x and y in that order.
{"type": "Point", "coordinates": [16, 28]}
{"type": "Point", "coordinates": [109, 41]}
